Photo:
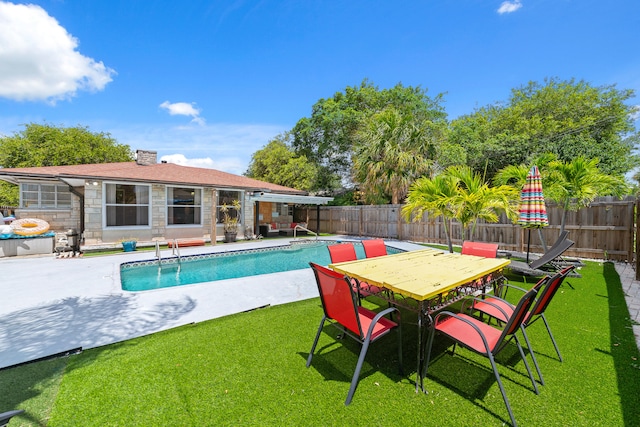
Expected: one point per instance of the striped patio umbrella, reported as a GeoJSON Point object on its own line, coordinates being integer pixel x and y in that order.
{"type": "Point", "coordinates": [533, 211]}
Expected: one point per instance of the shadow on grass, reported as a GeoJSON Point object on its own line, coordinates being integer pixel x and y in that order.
{"type": "Point", "coordinates": [471, 376]}
{"type": "Point", "coordinates": [624, 349]}
{"type": "Point", "coordinates": [336, 358]}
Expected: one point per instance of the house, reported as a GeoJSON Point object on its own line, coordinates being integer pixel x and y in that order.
{"type": "Point", "coordinates": [149, 200]}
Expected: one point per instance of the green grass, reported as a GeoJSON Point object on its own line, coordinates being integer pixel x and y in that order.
{"type": "Point", "coordinates": [249, 369]}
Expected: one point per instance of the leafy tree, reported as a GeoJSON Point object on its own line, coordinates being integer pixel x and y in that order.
{"type": "Point", "coordinates": [47, 145]}
{"type": "Point", "coordinates": [392, 151]}
{"type": "Point", "coordinates": [278, 164]}
{"type": "Point", "coordinates": [328, 136]}
{"type": "Point", "coordinates": [566, 118]}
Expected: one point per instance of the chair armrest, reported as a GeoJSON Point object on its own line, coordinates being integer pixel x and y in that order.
{"type": "Point", "coordinates": [494, 305]}
{"type": "Point", "coordinates": [380, 315]}
{"type": "Point", "coordinates": [508, 286]}
{"type": "Point", "coordinates": [462, 319]}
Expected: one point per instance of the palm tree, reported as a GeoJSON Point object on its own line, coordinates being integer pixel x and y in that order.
{"type": "Point", "coordinates": [392, 151]}
{"type": "Point", "coordinates": [476, 200]}
{"type": "Point", "coordinates": [434, 196]}
{"type": "Point", "coordinates": [574, 185]}
{"type": "Point", "coordinates": [462, 194]}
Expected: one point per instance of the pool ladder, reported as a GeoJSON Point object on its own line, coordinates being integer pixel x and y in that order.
{"type": "Point", "coordinates": [299, 227]}
{"type": "Point", "coordinates": [158, 255]}
{"type": "Point", "coordinates": [175, 250]}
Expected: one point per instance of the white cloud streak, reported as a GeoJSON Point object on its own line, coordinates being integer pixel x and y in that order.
{"type": "Point", "coordinates": [39, 60]}
{"type": "Point", "coordinates": [226, 147]}
{"type": "Point", "coordinates": [183, 109]}
{"type": "Point", "coordinates": [509, 6]}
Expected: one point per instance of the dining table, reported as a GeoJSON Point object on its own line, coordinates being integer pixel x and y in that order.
{"type": "Point", "coordinates": [431, 278]}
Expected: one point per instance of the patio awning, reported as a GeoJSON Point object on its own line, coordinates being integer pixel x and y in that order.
{"type": "Point", "coordinates": [289, 198]}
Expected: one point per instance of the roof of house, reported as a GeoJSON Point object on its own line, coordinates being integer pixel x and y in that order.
{"type": "Point", "coordinates": [163, 173]}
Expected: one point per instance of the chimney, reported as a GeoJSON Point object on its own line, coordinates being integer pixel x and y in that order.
{"type": "Point", "coordinates": [146, 157]}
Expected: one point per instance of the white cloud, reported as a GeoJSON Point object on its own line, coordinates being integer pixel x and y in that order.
{"type": "Point", "coordinates": [222, 146]}
{"type": "Point", "coordinates": [635, 113]}
{"type": "Point", "coordinates": [180, 159]}
{"type": "Point", "coordinates": [509, 6]}
{"type": "Point", "coordinates": [39, 60]}
{"type": "Point", "coordinates": [183, 109]}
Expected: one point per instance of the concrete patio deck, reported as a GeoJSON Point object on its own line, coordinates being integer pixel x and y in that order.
{"type": "Point", "coordinates": [53, 306]}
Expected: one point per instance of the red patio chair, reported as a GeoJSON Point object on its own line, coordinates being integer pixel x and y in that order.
{"type": "Point", "coordinates": [484, 339]}
{"type": "Point", "coordinates": [501, 310]}
{"type": "Point", "coordinates": [340, 305]}
{"type": "Point", "coordinates": [374, 248]}
{"type": "Point", "coordinates": [487, 250]}
{"type": "Point", "coordinates": [344, 252]}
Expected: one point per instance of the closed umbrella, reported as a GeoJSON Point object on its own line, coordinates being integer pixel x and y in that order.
{"type": "Point", "coordinates": [533, 211]}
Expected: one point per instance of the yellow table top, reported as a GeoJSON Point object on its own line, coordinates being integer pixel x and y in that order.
{"type": "Point", "coordinates": [421, 274]}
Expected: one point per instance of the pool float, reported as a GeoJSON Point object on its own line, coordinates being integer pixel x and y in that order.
{"type": "Point", "coordinates": [6, 231]}
{"type": "Point", "coordinates": [29, 226]}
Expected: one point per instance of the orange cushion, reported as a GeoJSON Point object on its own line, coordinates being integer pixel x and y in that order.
{"type": "Point", "coordinates": [185, 243]}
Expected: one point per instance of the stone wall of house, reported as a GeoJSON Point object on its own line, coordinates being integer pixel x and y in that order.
{"type": "Point", "coordinates": [93, 213]}
{"type": "Point", "coordinates": [248, 216]}
{"type": "Point", "coordinates": [60, 220]}
{"type": "Point", "coordinates": [208, 222]}
{"type": "Point", "coordinates": [94, 234]}
{"type": "Point", "coordinates": [158, 211]}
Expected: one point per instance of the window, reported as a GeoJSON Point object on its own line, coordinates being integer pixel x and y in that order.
{"type": "Point", "coordinates": [127, 205]}
{"type": "Point", "coordinates": [45, 196]}
{"type": "Point", "coordinates": [184, 205]}
{"type": "Point", "coordinates": [226, 197]}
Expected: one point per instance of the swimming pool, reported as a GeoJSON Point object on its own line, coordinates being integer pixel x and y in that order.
{"type": "Point", "coordinates": [147, 275]}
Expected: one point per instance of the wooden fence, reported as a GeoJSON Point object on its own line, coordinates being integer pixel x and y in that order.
{"type": "Point", "coordinates": [605, 230]}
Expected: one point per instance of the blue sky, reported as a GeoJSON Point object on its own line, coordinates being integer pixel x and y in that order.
{"type": "Point", "coordinates": [207, 83]}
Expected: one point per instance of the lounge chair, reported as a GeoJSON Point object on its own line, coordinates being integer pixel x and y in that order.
{"type": "Point", "coordinates": [551, 261]}
{"type": "Point", "coordinates": [5, 417]}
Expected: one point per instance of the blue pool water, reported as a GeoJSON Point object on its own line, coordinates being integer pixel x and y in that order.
{"type": "Point", "coordinates": [147, 275]}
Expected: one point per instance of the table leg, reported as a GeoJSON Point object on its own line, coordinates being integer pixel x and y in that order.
{"type": "Point", "coordinates": [424, 320]}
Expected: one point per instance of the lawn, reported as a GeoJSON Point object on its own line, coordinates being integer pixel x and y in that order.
{"type": "Point", "coordinates": [249, 369]}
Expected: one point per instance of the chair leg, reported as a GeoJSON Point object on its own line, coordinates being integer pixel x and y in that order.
{"type": "Point", "coordinates": [526, 364]}
{"type": "Point", "coordinates": [544, 319]}
{"type": "Point", "coordinates": [504, 393]}
{"type": "Point", "coordinates": [356, 374]}
{"type": "Point", "coordinates": [533, 356]}
{"type": "Point", "coordinates": [315, 341]}
{"type": "Point", "coordinates": [425, 368]}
